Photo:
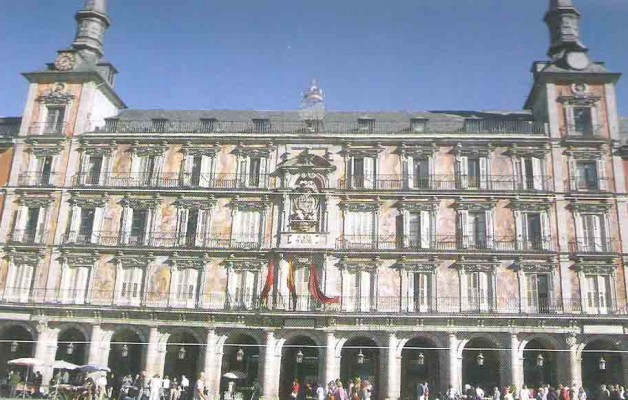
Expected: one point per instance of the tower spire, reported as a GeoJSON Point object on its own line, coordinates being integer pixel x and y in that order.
{"type": "Point", "coordinates": [313, 103]}
{"type": "Point", "coordinates": [92, 22]}
{"type": "Point", "coordinates": [563, 21]}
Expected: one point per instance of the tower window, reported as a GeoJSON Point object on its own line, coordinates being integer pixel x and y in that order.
{"type": "Point", "coordinates": [54, 120]}
{"type": "Point", "coordinates": [583, 121]}
{"type": "Point", "coordinates": [418, 124]}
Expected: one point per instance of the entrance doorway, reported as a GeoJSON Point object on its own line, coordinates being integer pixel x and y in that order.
{"type": "Point", "coordinates": [299, 360]}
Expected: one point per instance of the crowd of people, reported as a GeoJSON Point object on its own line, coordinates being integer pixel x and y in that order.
{"type": "Point", "coordinates": [356, 389]}
{"type": "Point", "coordinates": [143, 387]}
{"type": "Point", "coordinates": [543, 392]}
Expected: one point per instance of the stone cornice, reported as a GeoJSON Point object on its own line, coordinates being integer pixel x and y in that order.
{"type": "Point", "coordinates": [18, 257]}
{"type": "Point", "coordinates": [195, 203]}
{"type": "Point", "coordinates": [142, 149]}
{"type": "Point", "coordinates": [244, 264]}
{"type": "Point", "coordinates": [597, 208]}
{"type": "Point", "coordinates": [79, 259]}
{"type": "Point", "coordinates": [358, 264]}
{"type": "Point", "coordinates": [417, 205]}
{"type": "Point", "coordinates": [138, 202]}
{"type": "Point", "coordinates": [200, 150]}
{"type": "Point", "coordinates": [425, 151]}
{"type": "Point", "coordinates": [249, 151]}
{"type": "Point", "coordinates": [56, 96]}
{"type": "Point", "coordinates": [530, 205]}
{"type": "Point", "coordinates": [34, 201]}
{"type": "Point", "coordinates": [412, 265]}
{"type": "Point", "coordinates": [79, 200]}
{"type": "Point", "coordinates": [373, 151]}
{"type": "Point", "coordinates": [474, 204]}
{"type": "Point", "coordinates": [478, 151]}
{"type": "Point", "coordinates": [188, 262]}
{"type": "Point", "coordinates": [133, 260]}
{"type": "Point", "coordinates": [250, 204]}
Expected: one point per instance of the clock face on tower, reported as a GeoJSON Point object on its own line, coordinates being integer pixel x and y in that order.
{"type": "Point", "coordinates": [65, 62]}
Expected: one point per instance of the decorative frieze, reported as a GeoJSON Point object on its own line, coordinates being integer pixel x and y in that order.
{"type": "Point", "coordinates": [206, 203]}
{"type": "Point", "coordinates": [356, 264]}
{"type": "Point", "coordinates": [592, 208]}
{"type": "Point", "coordinates": [144, 150]}
{"type": "Point", "coordinates": [250, 204]}
{"type": "Point", "coordinates": [474, 204]}
{"type": "Point", "coordinates": [58, 95]}
{"type": "Point", "coordinates": [473, 151]}
{"type": "Point", "coordinates": [137, 202]}
{"type": "Point", "coordinates": [186, 262]}
{"type": "Point", "coordinates": [425, 151]}
{"type": "Point", "coordinates": [244, 264]}
{"type": "Point", "coordinates": [200, 150]}
{"type": "Point", "coordinates": [140, 260]}
{"type": "Point", "coordinates": [79, 259]}
{"type": "Point", "coordinates": [79, 200]}
{"type": "Point", "coordinates": [413, 265]}
{"type": "Point", "coordinates": [417, 205]}
{"type": "Point", "coordinates": [34, 201]}
{"type": "Point", "coordinates": [18, 257]}
{"type": "Point", "coordinates": [248, 151]}
{"type": "Point", "coordinates": [536, 205]}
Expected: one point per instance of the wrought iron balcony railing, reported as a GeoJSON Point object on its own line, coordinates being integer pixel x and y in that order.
{"type": "Point", "coordinates": [248, 300]}
{"type": "Point", "coordinates": [446, 182]}
{"type": "Point", "coordinates": [35, 179]}
{"type": "Point", "coordinates": [23, 236]}
{"type": "Point", "coordinates": [476, 126]}
{"type": "Point", "coordinates": [594, 245]}
{"type": "Point", "coordinates": [585, 132]}
{"type": "Point", "coordinates": [44, 128]}
{"type": "Point", "coordinates": [588, 184]}
{"type": "Point", "coordinates": [174, 180]}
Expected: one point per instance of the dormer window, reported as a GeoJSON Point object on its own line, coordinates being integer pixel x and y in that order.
{"type": "Point", "coordinates": [313, 125]}
{"type": "Point", "coordinates": [366, 124]}
{"type": "Point", "coordinates": [159, 124]}
{"type": "Point", "coordinates": [208, 125]}
{"type": "Point", "coordinates": [418, 124]}
{"type": "Point", "coordinates": [261, 125]}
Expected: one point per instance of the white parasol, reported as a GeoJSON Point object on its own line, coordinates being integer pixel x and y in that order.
{"type": "Point", "coordinates": [61, 364]}
{"type": "Point", "coordinates": [26, 362]}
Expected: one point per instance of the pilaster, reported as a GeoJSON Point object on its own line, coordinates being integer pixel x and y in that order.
{"type": "Point", "coordinates": [99, 346]}
{"type": "Point", "coordinates": [455, 363]}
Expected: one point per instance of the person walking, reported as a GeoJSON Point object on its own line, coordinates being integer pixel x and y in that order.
{"type": "Point", "coordinates": [199, 387]}
{"type": "Point", "coordinates": [185, 386]}
{"type": "Point", "coordinates": [340, 392]}
{"type": "Point", "coordinates": [421, 390]}
{"type": "Point", "coordinates": [154, 387]}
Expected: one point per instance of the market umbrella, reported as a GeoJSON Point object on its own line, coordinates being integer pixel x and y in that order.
{"type": "Point", "coordinates": [94, 368]}
{"type": "Point", "coordinates": [234, 375]}
{"type": "Point", "coordinates": [60, 364]}
{"type": "Point", "coordinates": [26, 362]}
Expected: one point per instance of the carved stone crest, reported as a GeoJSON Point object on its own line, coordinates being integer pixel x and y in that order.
{"type": "Point", "coordinates": [304, 216]}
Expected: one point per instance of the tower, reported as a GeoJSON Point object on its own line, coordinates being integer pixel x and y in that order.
{"type": "Point", "coordinates": [313, 103]}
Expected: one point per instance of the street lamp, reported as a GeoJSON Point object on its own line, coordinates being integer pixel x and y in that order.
{"type": "Point", "coordinates": [240, 355]}
{"type": "Point", "coordinates": [421, 359]}
{"type": "Point", "coordinates": [540, 360]}
{"type": "Point", "coordinates": [299, 357]}
{"type": "Point", "coordinates": [181, 353]}
{"type": "Point", "coordinates": [360, 357]}
{"type": "Point", "coordinates": [124, 352]}
{"type": "Point", "coordinates": [70, 349]}
{"type": "Point", "coordinates": [14, 346]}
{"type": "Point", "coordinates": [602, 364]}
{"type": "Point", "coordinates": [480, 360]}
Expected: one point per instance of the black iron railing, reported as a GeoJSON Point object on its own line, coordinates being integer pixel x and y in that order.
{"type": "Point", "coordinates": [446, 182]}
{"type": "Point", "coordinates": [35, 178]}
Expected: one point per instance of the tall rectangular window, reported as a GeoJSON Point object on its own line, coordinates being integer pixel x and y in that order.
{"type": "Point", "coordinates": [421, 281]}
{"type": "Point", "coordinates": [247, 228]}
{"type": "Point", "coordinates": [478, 290]}
{"type": "Point", "coordinates": [74, 287]}
{"type": "Point", "coordinates": [538, 293]}
{"type": "Point", "coordinates": [196, 170]}
{"type": "Point", "coordinates": [94, 170]}
{"type": "Point", "coordinates": [185, 286]}
{"type": "Point", "coordinates": [583, 121]}
{"type": "Point", "coordinates": [18, 282]}
{"type": "Point", "coordinates": [586, 175]}
{"type": "Point", "coordinates": [421, 173]}
{"type": "Point", "coordinates": [131, 285]}
{"type": "Point", "coordinates": [594, 233]}
{"type": "Point", "coordinates": [147, 171]}
{"type": "Point", "coordinates": [86, 227]}
{"type": "Point", "coordinates": [477, 230]}
{"type": "Point", "coordinates": [598, 294]}
{"type": "Point", "coordinates": [359, 230]}
{"type": "Point", "coordinates": [139, 225]}
{"type": "Point", "coordinates": [55, 119]}
{"type": "Point", "coordinates": [362, 173]}
{"type": "Point", "coordinates": [255, 166]}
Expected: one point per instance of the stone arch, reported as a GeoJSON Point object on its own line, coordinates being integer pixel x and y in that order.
{"type": "Point", "coordinates": [26, 326]}
{"type": "Point", "coordinates": [18, 340]}
{"type": "Point", "coordinates": [462, 343]}
{"type": "Point", "coordinates": [596, 350]}
{"type": "Point", "coordinates": [488, 347]}
{"type": "Point", "coordinates": [301, 358]}
{"type": "Point", "coordinates": [363, 346]}
{"type": "Point", "coordinates": [72, 343]}
{"type": "Point", "coordinates": [427, 336]}
{"type": "Point", "coordinates": [246, 362]}
{"type": "Point", "coordinates": [420, 361]}
{"type": "Point", "coordinates": [544, 371]}
{"type": "Point", "coordinates": [182, 347]}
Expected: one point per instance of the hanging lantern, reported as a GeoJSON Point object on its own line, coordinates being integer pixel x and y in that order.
{"type": "Point", "coordinates": [540, 360]}
{"type": "Point", "coordinates": [421, 359]}
{"type": "Point", "coordinates": [602, 364]}
{"type": "Point", "coordinates": [14, 346]}
{"type": "Point", "coordinates": [124, 352]}
{"type": "Point", "coordinates": [181, 353]}
{"type": "Point", "coordinates": [480, 359]}
{"type": "Point", "coordinates": [299, 357]}
{"type": "Point", "coordinates": [360, 357]}
{"type": "Point", "coordinates": [70, 349]}
{"type": "Point", "coordinates": [240, 355]}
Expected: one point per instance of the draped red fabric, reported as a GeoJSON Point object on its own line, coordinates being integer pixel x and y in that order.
{"type": "Point", "coordinates": [270, 280]}
{"type": "Point", "coordinates": [315, 288]}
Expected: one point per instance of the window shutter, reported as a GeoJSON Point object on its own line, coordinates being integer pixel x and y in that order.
{"type": "Point", "coordinates": [520, 173]}
{"type": "Point", "coordinates": [409, 295]}
{"type": "Point", "coordinates": [483, 290]}
{"type": "Point", "coordinates": [410, 172]}
{"type": "Point", "coordinates": [263, 166]}
{"type": "Point", "coordinates": [81, 284]}
{"type": "Point", "coordinates": [426, 234]}
{"type": "Point", "coordinates": [42, 216]}
{"type": "Point", "coordinates": [365, 290]}
{"type": "Point", "coordinates": [581, 233]}
{"type": "Point", "coordinates": [201, 227]}
{"type": "Point", "coordinates": [464, 172]}
{"type": "Point", "coordinates": [127, 223]}
{"type": "Point", "coordinates": [137, 166]}
{"type": "Point", "coordinates": [206, 171]}
{"type": "Point", "coordinates": [232, 285]}
{"type": "Point", "coordinates": [573, 174]}
{"type": "Point", "coordinates": [606, 232]}
{"type": "Point", "coordinates": [571, 126]}
{"type": "Point", "coordinates": [182, 224]}
{"type": "Point", "coordinates": [158, 169]}
{"type": "Point", "coordinates": [75, 223]}
{"type": "Point", "coordinates": [484, 173]}
{"type": "Point", "coordinates": [188, 167]}
{"type": "Point", "coordinates": [538, 179]}
{"type": "Point", "coordinates": [463, 227]}
{"type": "Point", "coordinates": [369, 172]}
{"type": "Point", "coordinates": [25, 282]}
{"type": "Point", "coordinates": [85, 169]}
{"type": "Point", "coordinates": [546, 233]}
{"type": "Point", "coordinates": [597, 233]}
{"type": "Point", "coordinates": [99, 214]}
{"type": "Point", "coordinates": [601, 175]}
{"type": "Point", "coordinates": [243, 166]}
{"type": "Point", "coordinates": [490, 228]}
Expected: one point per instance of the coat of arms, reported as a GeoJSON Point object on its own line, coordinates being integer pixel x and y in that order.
{"type": "Point", "coordinates": [304, 216]}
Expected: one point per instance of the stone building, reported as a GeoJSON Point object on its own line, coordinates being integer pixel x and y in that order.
{"type": "Point", "coordinates": [452, 247]}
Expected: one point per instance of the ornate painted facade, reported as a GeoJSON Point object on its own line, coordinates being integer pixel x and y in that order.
{"type": "Point", "coordinates": [453, 247]}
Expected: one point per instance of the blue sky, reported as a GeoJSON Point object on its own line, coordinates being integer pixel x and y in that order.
{"type": "Point", "coordinates": [367, 54]}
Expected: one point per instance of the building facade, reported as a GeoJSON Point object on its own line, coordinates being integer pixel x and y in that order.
{"type": "Point", "coordinates": [452, 247]}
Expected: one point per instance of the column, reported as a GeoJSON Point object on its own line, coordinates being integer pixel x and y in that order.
{"type": "Point", "coordinates": [46, 350]}
{"type": "Point", "coordinates": [271, 369]}
{"type": "Point", "coordinates": [99, 346]}
{"type": "Point", "coordinates": [332, 362]}
{"type": "Point", "coordinates": [455, 363]}
{"type": "Point", "coordinates": [393, 369]}
{"type": "Point", "coordinates": [213, 363]}
{"type": "Point", "coordinates": [516, 364]}
{"type": "Point", "coordinates": [575, 362]}
{"type": "Point", "coordinates": [155, 353]}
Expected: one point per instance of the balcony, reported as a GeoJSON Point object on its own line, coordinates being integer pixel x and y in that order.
{"type": "Point", "coordinates": [251, 302]}
{"type": "Point", "coordinates": [174, 180]}
{"type": "Point", "coordinates": [35, 179]}
{"type": "Point", "coordinates": [457, 242]}
{"type": "Point", "coordinates": [47, 129]}
{"type": "Point", "coordinates": [366, 242]}
{"type": "Point", "coordinates": [475, 126]}
{"type": "Point", "coordinates": [594, 245]}
{"type": "Point", "coordinates": [583, 132]}
{"type": "Point", "coordinates": [588, 184]}
{"type": "Point", "coordinates": [504, 183]}
{"type": "Point", "coordinates": [162, 240]}
{"type": "Point", "coordinates": [22, 236]}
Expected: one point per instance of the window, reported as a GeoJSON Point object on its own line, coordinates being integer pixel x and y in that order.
{"type": "Point", "coordinates": [18, 283]}
{"type": "Point", "coordinates": [242, 288]}
{"type": "Point", "coordinates": [359, 232]}
{"type": "Point", "coordinates": [366, 124]}
{"type": "Point", "coordinates": [359, 290]}
{"type": "Point", "coordinates": [586, 175]}
{"type": "Point", "coordinates": [538, 293]}
{"type": "Point", "coordinates": [147, 171]}
{"type": "Point", "coordinates": [419, 173]}
{"type": "Point", "coordinates": [85, 224]}
{"type": "Point", "coordinates": [421, 293]}
{"type": "Point", "coordinates": [598, 294]}
{"type": "Point", "coordinates": [530, 173]}
{"type": "Point", "coordinates": [139, 225]}
{"type": "Point", "coordinates": [247, 228]}
{"type": "Point", "coordinates": [55, 119]}
{"type": "Point", "coordinates": [30, 225]}
{"type": "Point", "coordinates": [252, 172]}
{"type": "Point", "coordinates": [74, 284]}
{"type": "Point", "coordinates": [86, 227]}
{"type": "Point", "coordinates": [533, 231]}
{"type": "Point", "coordinates": [418, 124]}
{"type": "Point", "coordinates": [475, 228]}
{"type": "Point", "coordinates": [255, 165]}
{"type": "Point", "coordinates": [208, 125]}
{"type": "Point", "coordinates": [261, 125]}
{"type": "Point", "coordinates": [184, 287]}
{"type": "Point", "coordinates": [94, 170]}
{"type": "Point", "coordinates": [478, 291]}
{"type": "Point", "coordinates": [302, 280]}
{"type": "Point", "coordinates": [130, 286]}
{"type": "Point", "coordinates": [473, 172]}
{"type": "Point", "coordinates": [583, 121]}
{"type": "Point", "coordinates": [419, 230]}
{"type": "Point", "coordinates": [196, 170]}
{"type": "Point", "coordinates": [44, 165]}
{"type": "Point", "coordinates": [362, 172]}
{"type": "Point", "coordinates": [159, 125]}
{"type": "Point", "coordinates": [594, 231]}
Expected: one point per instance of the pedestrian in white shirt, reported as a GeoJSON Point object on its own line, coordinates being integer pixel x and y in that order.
{"type": "Point", "coordinates": [524, 393]}
{"type": "Point", "coordinates": [154, 386]}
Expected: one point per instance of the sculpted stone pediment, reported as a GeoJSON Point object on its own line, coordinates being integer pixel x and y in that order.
{"type": "Point", "coordinates": [307, 162]}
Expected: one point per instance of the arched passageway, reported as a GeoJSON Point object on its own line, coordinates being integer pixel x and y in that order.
{"type": "Point", "coordinates": [360, 357]}
{"type": "Point", "coordinates": [240, 359]}
{"type": "Point", "coordinates": [182, 356]}
{"type": "Point", "coordinates": [299, 360]}
{"type": "Point", "coordinates": [72, 346]}
{"type": "Point", "coordinates": [126, 353]}
{"type": "Point", "coordinates": [601, 364]}
{"type": "Point", "coordinates": [15, 342]}
{"type": "Point", "coordinates": [480, 364]}
{"type": "Point", "coordinates": [419, 364]}
{"type": "Point", "coordinates": [539, 364]}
